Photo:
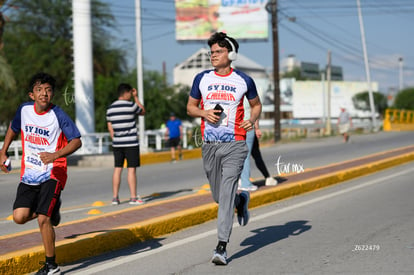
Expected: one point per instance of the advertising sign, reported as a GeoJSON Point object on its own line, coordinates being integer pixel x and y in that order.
{"type": "Point", "coordinates": [241, 19]}
{"type": "Point", "coordinates": [310, 98]}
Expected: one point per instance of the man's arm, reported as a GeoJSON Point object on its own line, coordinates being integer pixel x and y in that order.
{"type": "Point", "coordinates": [71, 147]}
{"type": "Point", "coordinates": [10, 135]}
{"type": "Point", "coordinates": [110, 129]}
{"type": "Point", "coordinates": [135, 95]}
{"type": "Point", "coordinates": [255, 110]}
{"type": "Point", "coordinates": [167, 131]}
{"type": "Point", "coordinates": [194, 111]}
{"type": "Point", "coordinates": [257, 130]}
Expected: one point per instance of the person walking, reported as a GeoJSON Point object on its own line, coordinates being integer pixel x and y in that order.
{"type": "Point", "coordinates": [121, 119]}
{"type": "Point", "coordinates": [48, 135]}
{"type": "Point", "coordinates": [244, 183]}
{"type": "Point", "coordinates": [217, 97]}
{"type": "Point", "coordinates": [257, 156]}
{"type": "Point", "coordinates": [174, 133]}
{"type": "Point", "coordinates": [344, 123]}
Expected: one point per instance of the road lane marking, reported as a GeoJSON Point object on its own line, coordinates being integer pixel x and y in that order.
{"type": "Point", "coordinates": [145, 252]}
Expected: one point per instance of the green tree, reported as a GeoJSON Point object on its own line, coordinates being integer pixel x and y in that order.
{"type": "Point", "coordinates": [106, 93]}
{"type": "Point", "coordinates": [157, 98]}
{"type": "Point", "coordinates": [179, 102]}
{"type": "Point", "coordinates": [405, 99]}
{"type": "Point", "coordinates": [39, 38]}
{"type": "Point", "coordinates": [7, 81]}
{"type": "Point", "coordinates": [7, 86]}
{"type": "Point", "coordinates": [361, 102]}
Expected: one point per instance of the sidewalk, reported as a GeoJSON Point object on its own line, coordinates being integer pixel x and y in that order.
{"type": "Point", "coordinates": [21, 252]}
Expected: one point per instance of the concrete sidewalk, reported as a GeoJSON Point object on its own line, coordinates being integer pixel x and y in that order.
{"type": "Point", "coordinates": [22, 252]}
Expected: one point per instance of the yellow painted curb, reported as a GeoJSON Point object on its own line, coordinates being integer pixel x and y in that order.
{"type": "Point", "coordinates": [287, 190]}
{"type": "Point", "coordinates": [96, 243]}
{"type": "Point", "coordinates": [151, 158]}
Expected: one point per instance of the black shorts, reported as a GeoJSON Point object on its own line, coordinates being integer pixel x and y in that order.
{"type": "Point", "coordinates": [131, 154]}
{"type": "Point", "coordinates": [174, 142]}
{"type": "Point", "coordinates": [41, 199]}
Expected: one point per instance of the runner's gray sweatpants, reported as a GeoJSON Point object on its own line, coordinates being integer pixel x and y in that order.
{"type": "Point", "coordinates": [223, 164]}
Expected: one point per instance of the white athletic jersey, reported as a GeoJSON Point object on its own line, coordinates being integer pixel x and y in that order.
{"type": "Point", "coordinates": [228, 91]}
{"type": "Point", "coordinates": [43, 132]}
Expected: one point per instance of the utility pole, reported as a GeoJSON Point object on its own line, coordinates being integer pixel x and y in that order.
{"type": "Point", "coordinates": [328, 80]}
{"type": "Point", "coordinates": [271, 7]}
{"type": "Point", "coordinates": [400, 60]}
{"type": "Point", "coordinates": [83, 70]}
{"type": "Point", "coordinates": [140, 73]}
{"type": "Point", "coordinates": [367, 71]}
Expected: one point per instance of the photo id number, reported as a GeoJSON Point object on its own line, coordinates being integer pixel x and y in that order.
{"type": "Point", "coordinates": [366, 247]}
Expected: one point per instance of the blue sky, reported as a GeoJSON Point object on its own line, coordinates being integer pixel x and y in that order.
{"type": "Point", "coordinates": [320, 25]}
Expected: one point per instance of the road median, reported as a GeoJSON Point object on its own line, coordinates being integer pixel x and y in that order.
{"type": "Point", "coordinates": [83, 239]}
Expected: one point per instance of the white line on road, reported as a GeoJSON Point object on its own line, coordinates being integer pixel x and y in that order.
{"type": "Point", "coordinates": [144, 253]}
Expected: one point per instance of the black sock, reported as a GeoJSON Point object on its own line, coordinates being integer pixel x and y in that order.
{"type": "Point", "coordinates": [223, 244]}
{"type": "Point", "coordinates": [51, 260]}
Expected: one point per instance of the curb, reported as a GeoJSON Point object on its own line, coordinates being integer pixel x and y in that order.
{"type": "Point", "coordinates": [151, 158]}
{"type": "Point", "coordinates": [96, 243]}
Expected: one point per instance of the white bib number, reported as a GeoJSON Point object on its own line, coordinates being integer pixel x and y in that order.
{"type": "Point", "coordinates": [33, 161]}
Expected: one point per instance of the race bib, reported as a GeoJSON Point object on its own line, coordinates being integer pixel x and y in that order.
{"type": "Point", "coordinates": [32, 161]}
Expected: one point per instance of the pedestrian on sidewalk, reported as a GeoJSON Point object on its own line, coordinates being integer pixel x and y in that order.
{"type": "Point", "coordinates": [244, 182]}
{"type": "Point", "coordinates": [174, 134]}
{"type": "Point", "coordinates": [49, 136]}
{"type": "Point", "coordinates": [121, 117]}
{"type": "Point", "coordinates": [344, 123]}
{"type": "Point", "coordinates": [257, 156]}
{"type": "Point", "coordinates": [252, 141]}
{"type": "Point", "coordinates": [217, 97]}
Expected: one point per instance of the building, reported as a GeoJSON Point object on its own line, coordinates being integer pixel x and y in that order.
{"type": "Point", "coordinates": [299, 100]}
{"type": "Point", "coordinates": [309, 70]}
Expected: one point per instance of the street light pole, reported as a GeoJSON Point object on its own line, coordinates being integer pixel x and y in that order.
{"type": "Point", "coordinates": [400, 60]}
{"type": "Point", "coordinates": [140, 73]}
{"type": "Point", "coordinates": [328, 79]}
{"type": "Point", "coordinates": [271, 7]}
{"type": "Point", "coordinates": [367, 71]}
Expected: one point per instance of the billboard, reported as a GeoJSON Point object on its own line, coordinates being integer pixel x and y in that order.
{"type": "Point", "coordinates": [310, 98]}
{"type": "Point", "coordinates": [241, 19]}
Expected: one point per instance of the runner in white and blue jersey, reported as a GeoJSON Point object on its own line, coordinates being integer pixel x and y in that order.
{"type": "Point", "coordinates": [217, 97]}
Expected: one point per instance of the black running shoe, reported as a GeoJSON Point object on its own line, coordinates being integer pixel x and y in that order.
{"type": "Point", "coordinates": [49, 269]}
{"type": "Point", "coordinates": [55, 218]}
{"type": "Point", "coordinates": [242, 208]}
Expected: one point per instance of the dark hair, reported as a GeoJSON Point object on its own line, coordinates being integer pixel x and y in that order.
{"type": "Point", "coordinates": [220, 39]}
{"type": "Point", "coordinates": [42, 78]}
{"type": "Point", "coordinates": [124, 88]}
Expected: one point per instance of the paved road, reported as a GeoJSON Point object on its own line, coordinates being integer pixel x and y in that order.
{"type": "Point", "coordinates": [88, 185]}
{"type": "Point", "coordinates": [363, 226]}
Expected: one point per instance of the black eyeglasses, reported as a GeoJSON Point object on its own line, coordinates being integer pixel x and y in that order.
{"type": "Point", "coordinates": [210, 53]}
